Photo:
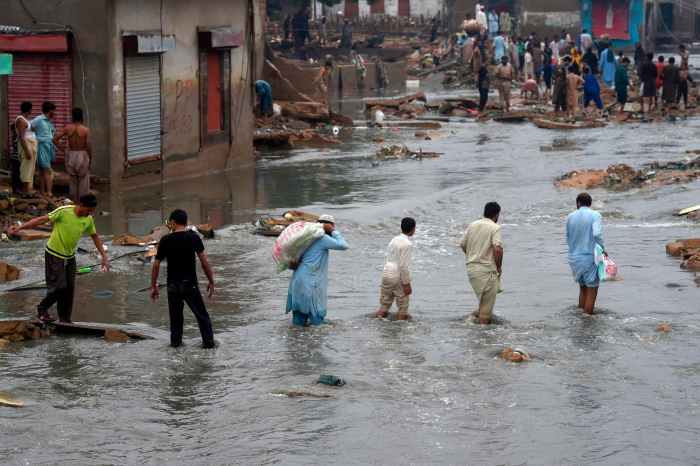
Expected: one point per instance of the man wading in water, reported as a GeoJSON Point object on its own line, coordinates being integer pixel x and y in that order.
{"type": "Point", "coordinates": [584, 229]}
{"type": "Point", "coordinates": [483, 247]}
{"type": "Point", "coordinates": [307, 298]}
{"type": "Point", "coordinates": [179, 249]}
{"type": "Point", "coordinates": [70, 223]}
{"type": "Point", "coordinates": [396, 277]}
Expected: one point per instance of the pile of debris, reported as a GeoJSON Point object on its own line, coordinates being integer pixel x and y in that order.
{"type": "Point", "coordinates": [459, 107]}
{"type": "Point", "coordinates": [305, 123]}
{"type": "Point", "coordinates": [128, 239]}
{"type": "Point", "coordinates": [16, 209]}
{"type": "Point", "coordinates": [396, 152]}
{"type": "Point", "coordinates": [622, 177]}
{"type": "Point", "coordinates": [688, 251]}
{"type": "Point", "coordinates": [275, 225]}
{"type": "Point", "coordinates": [20, 330]}
{"type": "Point", "coordinates": [407, 107]}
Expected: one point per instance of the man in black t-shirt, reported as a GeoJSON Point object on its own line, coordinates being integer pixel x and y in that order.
{"type": "Point", "coordinates": [179, 249]}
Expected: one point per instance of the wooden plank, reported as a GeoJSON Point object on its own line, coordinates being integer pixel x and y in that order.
{"type": "Point", "coordinates": [92, 330]}
{"type": "Point", "coordinates": [689, 210]}
{"type": "Point", "coordinates": [31, 235]}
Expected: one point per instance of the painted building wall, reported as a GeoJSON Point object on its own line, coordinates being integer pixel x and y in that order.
{"type": "Point", "coordinates": [88, 45]}
{"type": "Point", "coordinates": [183, 152]}
{"type": "Point", "coordinates": [636, 22]}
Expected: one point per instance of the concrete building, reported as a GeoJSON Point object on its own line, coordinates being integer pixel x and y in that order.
{"type": "Point", "coordinates": [167, 85]}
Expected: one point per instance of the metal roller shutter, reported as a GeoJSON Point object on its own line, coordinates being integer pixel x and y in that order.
{"type": "Point", "coordinates": [143, 126]}
{"type": "Point", "coordinates": [37, 78]}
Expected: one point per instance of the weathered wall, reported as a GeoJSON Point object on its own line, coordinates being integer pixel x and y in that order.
{"type": "Point", "coordinates": [548, 18]}
{"type": "Point", "coordinates": [183, 154]}
{"type": "Point", "coordinates": [88, 48]}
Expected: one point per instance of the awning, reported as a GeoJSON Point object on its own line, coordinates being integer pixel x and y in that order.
{"type": "Point", "coordinates": [51, 43]}
{"type": "Point", "coordinates": [151, 42]}
{"type": "Point", "coordinates": [220, 37]}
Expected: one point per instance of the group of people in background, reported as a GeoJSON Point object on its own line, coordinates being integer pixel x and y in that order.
{"type": "Point", "coordinates": [567, 70]}
{"type": "Point", "coordinates": [35, 141]}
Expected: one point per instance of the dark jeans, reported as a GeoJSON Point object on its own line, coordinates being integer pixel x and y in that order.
{"type": "Point", "coordinates": [60, 284]}
{"type": "Point", "coordinates": [483, 98]}
{"type": "Point", "coordinates": [180, 293]}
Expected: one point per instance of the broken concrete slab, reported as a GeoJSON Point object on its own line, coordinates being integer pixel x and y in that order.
{"type": "Point", "coordinates": [115, 336]}
{"type": "Point", "coordinates": [8, 273]}
{"type": "Point", "coordinates": [679, 247]}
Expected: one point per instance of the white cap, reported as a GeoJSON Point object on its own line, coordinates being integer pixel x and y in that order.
{"type": "Point", "coordinates": [327, 218]}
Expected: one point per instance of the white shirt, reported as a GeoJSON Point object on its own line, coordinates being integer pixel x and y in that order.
{"type": "Point", "coordinates": [398, 259]}
{"type": "Point", "coordinates": [28, 133]}
{"type": "Point", "coordinates": [481, 19]}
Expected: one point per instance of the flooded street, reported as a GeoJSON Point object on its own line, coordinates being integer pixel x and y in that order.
{"type": "Point", "coordinates": [600, 390]}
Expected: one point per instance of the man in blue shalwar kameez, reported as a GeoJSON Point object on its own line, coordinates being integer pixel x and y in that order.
{"type": "Point", "coordinates": [584, 229]}
{"type": "Point", "coordinates": [307, 299]}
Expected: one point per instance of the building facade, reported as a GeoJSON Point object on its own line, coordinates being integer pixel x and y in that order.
{"type": "Point", "coordinates": [394, 8]}
{"type": "Point", "coordinates": [166, 85]}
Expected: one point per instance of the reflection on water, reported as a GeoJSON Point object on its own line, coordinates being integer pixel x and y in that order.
{"type": "Point", "coordinates": [605, 389]}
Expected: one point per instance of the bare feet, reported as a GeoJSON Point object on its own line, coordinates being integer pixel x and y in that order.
{"type": "Point", "coordinates": [381, 314]}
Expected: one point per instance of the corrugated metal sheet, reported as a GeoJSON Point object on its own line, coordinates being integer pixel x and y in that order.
{"type": "Point", "coordinates": [143, 123]}
{"type": "Point", "coordinates": [38, 78]}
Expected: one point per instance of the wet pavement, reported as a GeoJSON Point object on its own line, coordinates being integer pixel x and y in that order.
{"type": "Point", "coordinates": [600, 390]}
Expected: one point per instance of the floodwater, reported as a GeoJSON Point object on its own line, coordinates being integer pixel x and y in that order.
{"type": "Point", "coordinates": [600, 390]}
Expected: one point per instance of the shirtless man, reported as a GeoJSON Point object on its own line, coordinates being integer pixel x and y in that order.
{"type": "Point", "coordinates": [78, 155]}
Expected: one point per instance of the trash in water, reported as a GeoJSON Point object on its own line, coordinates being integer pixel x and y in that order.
{"type": "Point", "coordinates": [8, 400]}
{"type": "Point", "coordinates": [331, 380]}
{"type": "Point", "coordinates": [103, 294]}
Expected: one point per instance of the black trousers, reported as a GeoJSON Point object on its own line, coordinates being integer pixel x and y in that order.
{"type": "Point", "coordinates": [483, 98]}
{"type": "Point", "coordinates": [14, 171]}
{"type": "Point", "coordinates": [682, 93]}
{"type": "Point", "coordinates": [60, 283]}
{"type": "Point", "coordinates": [180, 293]}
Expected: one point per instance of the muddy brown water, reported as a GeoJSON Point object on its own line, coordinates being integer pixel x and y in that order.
{"type": "Point", "coordinates": [600, 390]}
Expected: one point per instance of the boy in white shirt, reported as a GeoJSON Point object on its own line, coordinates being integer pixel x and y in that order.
{"type": "Point", "coordinates": [396, 277]}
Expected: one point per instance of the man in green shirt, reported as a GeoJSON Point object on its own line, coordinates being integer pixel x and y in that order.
{"type": "Point", "coordinates": [70, 223]}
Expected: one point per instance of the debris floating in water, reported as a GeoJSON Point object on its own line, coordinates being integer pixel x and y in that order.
{"type": "Point", "coordinates": [8, 400]}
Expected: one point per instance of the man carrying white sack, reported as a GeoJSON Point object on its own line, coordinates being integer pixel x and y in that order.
{"type": "Point", "coordinates": [307, 299]}
{"type": "Point", "coordinates": [396, 277]}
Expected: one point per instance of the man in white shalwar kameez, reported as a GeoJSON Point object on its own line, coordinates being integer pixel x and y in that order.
{"type": "Point", "coordinates": [396, 277]}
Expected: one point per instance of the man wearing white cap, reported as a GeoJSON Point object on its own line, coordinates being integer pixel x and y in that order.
{"type": "Point", "coordinates": [307, 299]}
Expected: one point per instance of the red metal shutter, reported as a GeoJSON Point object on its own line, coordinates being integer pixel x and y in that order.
{"type": "Point", "coordinates": [214, 114]}
{"type": "Point", "coordinates": [352, 8]}
{"type": "Point", "coordinates": [377, 7]}
{"type": "Point", "coordinates": [40, 77]}
{"type": "Point", "coordinates": [404, 7]}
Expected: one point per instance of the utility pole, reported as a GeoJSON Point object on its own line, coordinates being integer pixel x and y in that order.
{"type": "Point", "coordinates": [654, 24]}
